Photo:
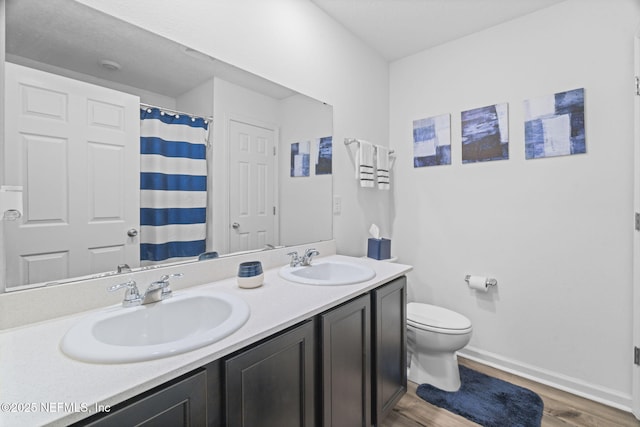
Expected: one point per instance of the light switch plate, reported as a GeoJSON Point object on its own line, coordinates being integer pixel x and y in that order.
{"type": "Point", "coordinates": [337, 205]}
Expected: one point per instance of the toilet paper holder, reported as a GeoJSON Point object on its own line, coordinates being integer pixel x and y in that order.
{"type": "Point", "coordinates": [490, 281]}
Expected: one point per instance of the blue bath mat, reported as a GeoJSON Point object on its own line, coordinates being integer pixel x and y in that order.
{"type": "Point", "coordinates": [487, 401]}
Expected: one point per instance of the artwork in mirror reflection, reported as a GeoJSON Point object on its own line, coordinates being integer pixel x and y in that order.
{"type": "Point", "coordinates": [554, 125]}
{"type": "Point", "coordinates": [485, 134]}
{"type": "Point", "coordinates": [432, 141]}
{"type": "Point", "coordinates": [300, 158]}
{"type": "Point", "coordinates": [325, 156]}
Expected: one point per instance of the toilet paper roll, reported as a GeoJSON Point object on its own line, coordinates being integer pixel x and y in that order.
{"type": "Point", "coordinates": [479, 283]}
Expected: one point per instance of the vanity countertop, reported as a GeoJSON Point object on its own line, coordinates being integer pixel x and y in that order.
{"type": "Point", "coordinates": [39, 385]}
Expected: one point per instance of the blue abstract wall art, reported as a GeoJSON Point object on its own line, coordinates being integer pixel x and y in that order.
{"type": "Point", "coordinates": [300, 156]}
{"type": "Point", "coordinates": [554, 125]}
{"type": "Point", "coordinates": [325, 156]}
{"type": "Point", "coordinates": [485, 134]}
{"type": "Point", "coordinates": [432, 141]}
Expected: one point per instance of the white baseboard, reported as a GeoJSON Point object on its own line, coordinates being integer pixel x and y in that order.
{"type": "Point", "coordinates": [571, 385]}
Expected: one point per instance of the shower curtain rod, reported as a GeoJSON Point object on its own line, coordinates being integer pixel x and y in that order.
{"type": "Point", "coordinates": [169, 110]}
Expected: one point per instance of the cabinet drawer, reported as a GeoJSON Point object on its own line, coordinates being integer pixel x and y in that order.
{"type": "Point", "coordinates": [182, 403]}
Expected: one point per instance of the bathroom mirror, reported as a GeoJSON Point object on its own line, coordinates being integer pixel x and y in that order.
{"type": "Point", "coordinates": [70, 39]}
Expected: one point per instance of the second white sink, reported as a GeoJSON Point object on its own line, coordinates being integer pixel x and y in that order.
{"type": "Point", "coordinates": [328, 273]}
{"type": "Point", "coordinates": [176, 325]}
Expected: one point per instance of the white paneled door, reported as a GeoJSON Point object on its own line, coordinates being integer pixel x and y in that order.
{"type": "Point", "coordinates": [74, 148]}
{"type": "Point", "coordinates": [252, 210]}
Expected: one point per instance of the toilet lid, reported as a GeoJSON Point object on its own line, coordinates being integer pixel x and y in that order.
{"type": "Point", "coordinates": [434, 316]}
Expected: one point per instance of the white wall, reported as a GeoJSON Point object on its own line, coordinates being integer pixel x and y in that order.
{"type": "Point", "coordinates": [556, 232]}
{"type": "Point", "coordinates": [294, 43]}
{"type": "Point", "coordinates": [305, 202]}
{"type": "Point", "coordinates": [198, 100]}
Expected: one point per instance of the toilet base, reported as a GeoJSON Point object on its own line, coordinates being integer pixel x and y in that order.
{"type": "Point", "coordinates": [438, 369]}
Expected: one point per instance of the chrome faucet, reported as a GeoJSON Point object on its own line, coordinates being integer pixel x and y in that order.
{"type": "Point", "coordinates": [157, 291]}
{"type": "Point", "coordinates": [295, 259]}
{"type": "Point", "coordinates": [305, 260]}
{"type": "Point", "coordinates": [308, 256]}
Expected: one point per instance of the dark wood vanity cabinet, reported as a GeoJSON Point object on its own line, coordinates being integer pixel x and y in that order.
{"type": "Point", "coordinates": [344, 367]}
{"type": "Point", "coordinates": [345, 336]}
{"type": "Point", "coordinates": [273, 383]}
{"type": "Point", "coordinates": [389, 346]}
{"type": "Point", "coordinates": [364, 357]}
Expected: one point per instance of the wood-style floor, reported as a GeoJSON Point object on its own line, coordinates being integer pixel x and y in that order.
{"type": "Point", "coordinates": [560, 408]}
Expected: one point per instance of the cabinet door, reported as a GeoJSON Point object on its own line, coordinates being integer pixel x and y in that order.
{"type": "Point", "coordinates": [215, 393]}
{"type": "Point", "coordinates": [389, 346]}
{"type": "Point", "coordinates": [346, 364]}
{"type": "Point", "coordinates": [272, 384]}
{"type": "Point", "coordinates": [180, 404]}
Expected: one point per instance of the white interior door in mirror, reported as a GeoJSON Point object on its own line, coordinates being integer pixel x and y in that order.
{"type": "Point", "coordinates": [251, 187]}
{"type": "Point", "coordinates": [74, 147]}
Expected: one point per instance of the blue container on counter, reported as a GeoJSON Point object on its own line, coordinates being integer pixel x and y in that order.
{"type": "Point", "coordinates": [379, 248]}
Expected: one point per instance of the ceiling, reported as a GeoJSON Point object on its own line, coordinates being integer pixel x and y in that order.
{"type": "Point", "coordinates": [68, 35]}
{"type": "Point", "coordinates": [399, 28]}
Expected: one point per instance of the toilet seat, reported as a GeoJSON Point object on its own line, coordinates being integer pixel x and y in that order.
{"type": "Point", "coordinates": [436, 319]}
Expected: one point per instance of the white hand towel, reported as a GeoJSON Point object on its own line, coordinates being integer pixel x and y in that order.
{"type": "Point", "coordinates": [364, 166]}
{"type": "Point", "coordinates": [382, 168]}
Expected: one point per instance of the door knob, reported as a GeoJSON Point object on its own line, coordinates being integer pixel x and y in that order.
{"type": "Point", "coordinates": [132, 232]}
{"type": "Point", "coordinates": [235, 225]}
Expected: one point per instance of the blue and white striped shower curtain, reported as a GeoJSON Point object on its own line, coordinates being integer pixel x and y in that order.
{"type": "Point", "coordinates": [173, 186]}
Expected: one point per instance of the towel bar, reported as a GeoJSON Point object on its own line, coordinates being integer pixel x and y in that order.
{"type": "Point", "coordinates": [349, 141]}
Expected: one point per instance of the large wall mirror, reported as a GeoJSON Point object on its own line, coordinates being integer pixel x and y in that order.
{"type": "Point", "coordinates": [249, 168]}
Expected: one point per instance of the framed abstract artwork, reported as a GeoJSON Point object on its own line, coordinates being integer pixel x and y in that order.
{"type": "Point", "coordinates": [485, 134]}
{"type": "Point", "coordinates": [432, 141]}
{"type": "Point", "coordinates": [554, 125]}
{"type": "Point", "coordinates": [300, 156]}
{"type": "Point", "coordinates": [325, 156]}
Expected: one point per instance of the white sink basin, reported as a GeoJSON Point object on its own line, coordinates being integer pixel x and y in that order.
{"type": "Point", "coordinates": [175, 325]}
{"type": "Point", "coordinates": [328, 273]}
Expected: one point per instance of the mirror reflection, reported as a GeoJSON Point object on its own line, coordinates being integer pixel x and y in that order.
{"type": "Point", "coordinates": [129, 151]}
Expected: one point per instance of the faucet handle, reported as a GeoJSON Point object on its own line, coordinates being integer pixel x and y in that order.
{"type": "Point", "coordinates": [166, 277]}
{"type": "Point", "coordinates": [131, 296]}
{"type": "Point", "coordinates": [123, 268]}
{"type": "Point", "coordinates": [295, 259]}
{"type": "Point", "coordinates": [166, 290]}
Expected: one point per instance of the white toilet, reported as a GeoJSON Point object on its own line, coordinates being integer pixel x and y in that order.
{"type": "Point", "coordinates": [434, 335]}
